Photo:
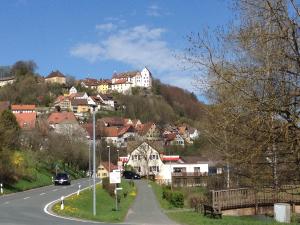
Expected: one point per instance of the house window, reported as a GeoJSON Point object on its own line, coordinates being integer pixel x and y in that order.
{"type": "Point", "coordinates": [197, 169]}
{"type": "Point", "coordinates": [137, 168]}
{"type": "Point", "coordinates": [154, 168]}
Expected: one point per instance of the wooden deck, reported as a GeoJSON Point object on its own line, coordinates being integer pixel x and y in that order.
{"type": "Point", "coordinates": [245, 197]}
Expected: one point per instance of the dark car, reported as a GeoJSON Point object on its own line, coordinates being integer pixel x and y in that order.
{"type": "Point", "coordinates": [131, 175]}
{"type": "Point", "coordinates": [62, 179]}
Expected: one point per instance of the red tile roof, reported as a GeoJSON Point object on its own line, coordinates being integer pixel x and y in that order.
{"type": "Point", "coordinates": [126, 74]}
{"type": "Point", "coordinates": [121, 81]}
{"type": "Point", "coordinates": [106, 166]}
{"type": "Point", "coordinates": [22, 107]}
{"type": "Point", "coordinates": [26, 120]}
{"type": "Point", "coordinates": [110, 132]}
{"type": "Point", "coordinates": [61, 117]}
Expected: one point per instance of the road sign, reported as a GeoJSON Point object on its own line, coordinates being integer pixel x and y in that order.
{"type": "Point", "coordinates": [114, 177]}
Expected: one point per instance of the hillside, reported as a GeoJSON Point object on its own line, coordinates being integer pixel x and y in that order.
{"type": "Point", "coordinates": [164, 104]}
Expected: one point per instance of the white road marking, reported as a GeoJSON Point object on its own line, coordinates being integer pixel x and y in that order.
{"type": "Point", "coordinates": [26, 198]}
{"type": "Point", "coordinates": [68, 218]}
{"type": "Point", "coordinates": [54, 190]}
{"type": "Point", "coordinates": [42, 193]}
{"type": "Point", "coordinates": [6, 203]}
{"type": "Point", "coordinates": [64, 187]}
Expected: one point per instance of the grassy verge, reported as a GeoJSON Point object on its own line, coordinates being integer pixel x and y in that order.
{"type": "Point", "coordinates": [81, 206]}
{"type": "Point", "coordinates": [192, 218]}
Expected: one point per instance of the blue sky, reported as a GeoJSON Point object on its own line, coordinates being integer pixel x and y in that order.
{"type": "Point", "coordinates": [96, 38]}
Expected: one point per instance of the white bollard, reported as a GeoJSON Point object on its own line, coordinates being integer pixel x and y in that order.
{"type": "Point", "coordinates": [1, 189]}
{"type": "Point", "coordinates": [78, 192]}
{"type": "Point", "coordinates": [62, 206]}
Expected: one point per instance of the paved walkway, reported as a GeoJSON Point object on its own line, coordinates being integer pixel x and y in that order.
{"type": "Point", "coordinates": [146, 209]}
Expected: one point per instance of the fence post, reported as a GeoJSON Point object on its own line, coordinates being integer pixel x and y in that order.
{"type": "Point", "coordinates": [62, 206]}
{"type": "Point", "coordinates": [78, 192]}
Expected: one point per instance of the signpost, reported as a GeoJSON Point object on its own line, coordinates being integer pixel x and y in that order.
{"type": "Point", "coordinates": [115, 178]}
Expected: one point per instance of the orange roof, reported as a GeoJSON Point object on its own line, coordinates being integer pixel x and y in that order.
{"type": "Point", "coordinates": [61, 117]}
{"type": "Point", "coordinates": [22, 107]}
{"type": "Point", "coordinates": [26, 120]}
{"type": "Point", "coordinates": [110, 132]}
{"type": "Point", "coordinates": [121, 81]}
{"type": "Point", "coordinates": [106, 166]}
{"type": "Point", "coordinates": [144, 128]}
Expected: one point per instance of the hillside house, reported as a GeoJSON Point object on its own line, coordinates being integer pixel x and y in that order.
{"type": "Point", "coordinates": [148, 131]}
{"type": "Point", "coordinates": [104, 86]}
{"type": "Point", "coordinates": [6, 80]}
{"type": "Point", "coordinates": [56, 77]}
{"type": "Point", "coordinates": [62, 122]}
{"type": "Point", "coordinates": [135, 78]}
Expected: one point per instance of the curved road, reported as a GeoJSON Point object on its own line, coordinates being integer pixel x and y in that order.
{"type": "Point", "coordinates": [27, 208]}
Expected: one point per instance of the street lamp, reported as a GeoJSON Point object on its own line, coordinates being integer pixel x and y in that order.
{"type": "Point", "coordinates": [94, 162]}
{"type": "Point", "coordinates": [108, 161]}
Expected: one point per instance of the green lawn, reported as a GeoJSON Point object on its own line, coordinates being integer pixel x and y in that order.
{"type": "Point", "coordinates": [185, 217]}
{"type": "Point", "coordinates": [81, 206]}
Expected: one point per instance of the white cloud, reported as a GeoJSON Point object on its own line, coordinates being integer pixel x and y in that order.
{"type": "Point", "coordinates": [106, 27]}
{"type": "Point", "coordinates": [90, 52]}
{"type": "Point", "coordinates": [139, 46]}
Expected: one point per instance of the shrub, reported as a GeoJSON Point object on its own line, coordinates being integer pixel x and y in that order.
{"type": "Point", "coordinates": [110, 188]}
{"type": "Point", "coordinates": [174, 197]}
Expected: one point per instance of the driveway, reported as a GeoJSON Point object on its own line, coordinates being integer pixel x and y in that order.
{"type": "Point", "coordinates": [146, 209]}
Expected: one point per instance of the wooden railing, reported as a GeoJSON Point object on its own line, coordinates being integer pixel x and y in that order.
{"type": "Point", "coordinates": [245, 197]}
{"type": "Point", "coordinates": [188, 174]}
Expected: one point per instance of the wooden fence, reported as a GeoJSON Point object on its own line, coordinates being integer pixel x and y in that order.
{"type": "Point", "coordinates": [245, 197]}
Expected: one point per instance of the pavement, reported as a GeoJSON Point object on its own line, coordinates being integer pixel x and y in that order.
{"type": "Point", "coordinates": [146, 209]}
{"type": "Point", "coordinates": [27, 208]}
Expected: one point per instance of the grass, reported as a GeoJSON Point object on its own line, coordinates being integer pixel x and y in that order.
{"type": "Point", "coordinates": [186, 217]}
{"type": "Point", "coordinates": [81, 206]}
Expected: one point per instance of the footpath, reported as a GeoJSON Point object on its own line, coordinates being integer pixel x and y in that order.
{"type": "Point", "coordinates": [146, 209]}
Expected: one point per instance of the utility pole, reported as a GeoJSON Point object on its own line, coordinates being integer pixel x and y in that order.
{"type": "Point", "coordinates": [94, 163]}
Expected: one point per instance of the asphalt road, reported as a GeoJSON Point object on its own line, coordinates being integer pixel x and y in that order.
{"type": "Point", "coordinates": [27, 208]}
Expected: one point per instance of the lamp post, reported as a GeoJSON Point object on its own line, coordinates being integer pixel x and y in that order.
{"type": "Point", "coordinates": [94, 163]}
{"type": "Point", "coordinates": [89, 140]}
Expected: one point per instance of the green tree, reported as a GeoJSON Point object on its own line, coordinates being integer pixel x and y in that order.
{"type": "Point", "coordinates": [9, 130]}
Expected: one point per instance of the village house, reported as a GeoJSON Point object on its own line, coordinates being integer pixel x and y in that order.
{"type": "Point", "coordinates": [145, 159]}
{"type": "Point", "coordinates": [90, 83]}
{"type": "Point", "coordinates": [121, 86]}
{"type": "Point", "coordinates": [108, 101]}
{"type": "Point", "coordinates": [104, 86]}
{"type": "Point", "coordinates": [56, 77]}
{"type": "Point", "coordinates": [103, 169]}
{"type": "Point", "coordinates": [25, 115]}
{"type": "Point", "coordinates": [148, 131]}
{"type": "Point", "coordinates": [80, 106]}
{"type": "Point", "coordinates": [6, 80]}
{"type": "Point", "coordinates": [72, 90]}
{"type": "Point", "coordinates": [62, 122]}
{"type": "Point", "coordinates": [134, 78]}
{"type": "Point", "coordinates": [173, 139]}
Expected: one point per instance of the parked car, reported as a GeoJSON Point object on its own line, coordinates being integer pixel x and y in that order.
{"type": "Point", "coordinates": [62, 179]}
{"type": "Point", "coordinates": [131, 175]}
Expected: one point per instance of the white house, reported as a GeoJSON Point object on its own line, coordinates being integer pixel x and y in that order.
{"type": "Point", "coordinates": [121, 86]}
{"type": "Point", "coordinates": [132, 79]}
{"type": "Point", "coordinates": [72, 90]}
{"type": "Point", "coordinates": [145, 160]}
